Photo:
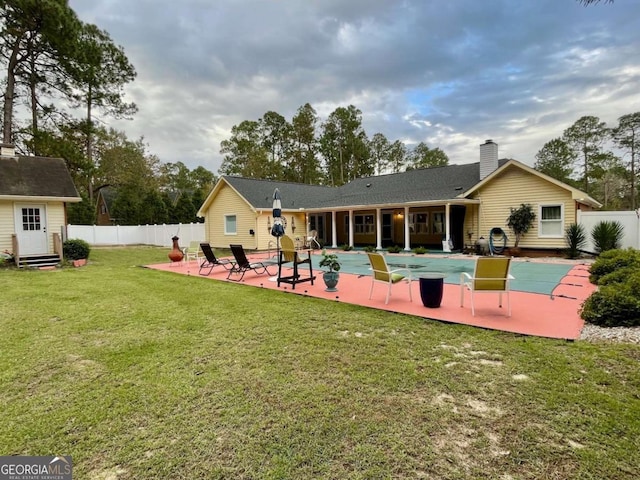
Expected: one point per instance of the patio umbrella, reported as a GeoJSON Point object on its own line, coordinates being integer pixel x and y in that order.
{"type": "Point", "coordinates": [279, 223]}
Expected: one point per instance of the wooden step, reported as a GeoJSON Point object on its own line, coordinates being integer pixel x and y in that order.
{"type": "Point", "coordinates": [38, 261]}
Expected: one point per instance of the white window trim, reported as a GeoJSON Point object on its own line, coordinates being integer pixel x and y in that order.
{"type": "Point", "coordinates": [560, 221]}
{"type": "Point", "coordinates": [226, 232]}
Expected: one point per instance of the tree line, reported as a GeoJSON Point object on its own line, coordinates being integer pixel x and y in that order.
{"type": "Point", "coordinates": [63, 79]}
{"type": "Point", "coordinates": [583, 157]}
{"type": "Point", "coordinates": [306, 150]}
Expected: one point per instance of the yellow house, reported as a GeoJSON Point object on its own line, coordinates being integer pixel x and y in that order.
{"type": "Point", "coordinates": [34, 192]}
{"type": "Point", "coordinates": [447, 208]}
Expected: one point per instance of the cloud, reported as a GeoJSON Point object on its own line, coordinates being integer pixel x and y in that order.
{"type": "Point", "coordinates": [452, 74]}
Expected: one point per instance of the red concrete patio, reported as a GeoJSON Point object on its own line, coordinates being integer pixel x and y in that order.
{"type": "Point", "coordinates": [552, 316]}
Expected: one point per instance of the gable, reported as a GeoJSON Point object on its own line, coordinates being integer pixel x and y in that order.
{"type": "Point", "coordinates": [534, 182]}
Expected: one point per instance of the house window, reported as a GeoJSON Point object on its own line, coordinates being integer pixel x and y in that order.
{"type": "Point", "coordinates": [363, 224]}
{"type": "Point", "coordinates": [438, 222]}
{"type": "Point", "coordinates": [30, 219]}
{"type": "Point", "coordinates": [230, 225]}
{"type": "Point", "coordinates": [551, 221]}
{"type": "Point", "coordinates": [419, 222]}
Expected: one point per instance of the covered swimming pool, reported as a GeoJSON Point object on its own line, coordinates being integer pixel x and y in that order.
{"type": "Point", "coordinates": [530, 276]}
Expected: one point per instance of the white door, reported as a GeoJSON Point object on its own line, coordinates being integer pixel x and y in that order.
{"type": "Point", "coordinates": [31, 229]}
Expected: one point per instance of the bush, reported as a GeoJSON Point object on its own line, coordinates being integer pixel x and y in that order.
{"type": "Point", "coordinates": [615, 305]}
{"type": "Point", "coordinates": [607, 235]}
{"type": "Point", "coordinates": [576, 238]}
{"type": "Point", "coordinates": [6, 259]}
{"type": "Point", "coordinates": [75, 249]}
{"type": "Point", "coordinates": [520, 221]}
{"type": "Point", "coordinates": [610, 261]}
{"type": "Point", "coordinates": [420, 250]}
{"type": "Point", "coordinates": [394, 249]}
{"type": "Point", "coordinates": [346, 247]}
{"type": "Point", "coordinates": [369, 248]}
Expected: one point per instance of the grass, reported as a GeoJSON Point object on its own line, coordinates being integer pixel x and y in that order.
{"type": "Point", "coordinates": [146, 374]}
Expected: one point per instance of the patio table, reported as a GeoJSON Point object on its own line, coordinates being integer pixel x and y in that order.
{"type": "Point", "coordinates": [431, 287]}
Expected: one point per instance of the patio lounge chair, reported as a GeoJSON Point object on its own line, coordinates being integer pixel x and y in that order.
{"type": "Point", "coordinates": [210, 260]}
{"type": "Point", "coordinates": [288, 254]}
{"type": "Point", "coordinates": [242, 264]}
{"type": "Point", "coordinates": [491, 274]}
{"type": "Point", "coordinates": [382, 273]}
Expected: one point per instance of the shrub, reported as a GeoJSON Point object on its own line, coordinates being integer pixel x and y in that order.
{"type": "Point", "coordinates": [369, 248]}
{"type": "Point", "coordinates": [75, 249]}
{"type": "Point", "coordinates": [614, 305]}
{"type": "Point", "coordinates": [6, 259]}
{"type": "Point", "coordinates": [346, 247]}
{"type": "Point", "coordinates": [607, 235]}
{"type": "Point", "coordinates": [420, 250]}
{"type": "Point", "coordinates": [576, 238]}
{"type": "Point", "coordinates": [394, 249]}
{"type": "Point", "coordinates": [520, 221]}
{"type": "Point", "coordinates": [610, 261]}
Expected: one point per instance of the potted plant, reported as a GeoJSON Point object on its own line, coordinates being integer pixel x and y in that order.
{"type": "Point", "coordinates": [330, 277]}
{"type": "Point", "coordinates": [76, 251]}
{"type": "Point", "coordinates": [519, 221]}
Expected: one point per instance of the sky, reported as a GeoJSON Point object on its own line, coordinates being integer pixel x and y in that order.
{"type": "Point", "coordinates": [450, 73]}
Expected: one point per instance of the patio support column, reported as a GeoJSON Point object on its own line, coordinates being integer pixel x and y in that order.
{"type": "Point", "coordinates": [378, 229]}
{"type": "Point", "coordinates": [407, 233]}
{"type": "Point", "coordinates": [334, 230]}
{"type": "Point", "coordinates": [351, 228]}
{"type": "Point", "coordinates": [447, 228]}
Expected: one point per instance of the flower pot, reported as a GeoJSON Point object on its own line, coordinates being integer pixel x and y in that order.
{"type": "Point", "coordinates": [330, 280]}
{"type": "Point", "coordinates": [79, 263]}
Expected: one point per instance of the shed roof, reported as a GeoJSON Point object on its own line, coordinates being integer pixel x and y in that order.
{"type": "Point", "coordinates": [36, 177]}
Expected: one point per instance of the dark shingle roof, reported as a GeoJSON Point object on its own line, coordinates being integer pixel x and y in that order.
{"type": "Point", "coordinates": [36, 177]}
{"type": "Point", "coordinates": [259, 193]}
{"type": "Point", "coordinates": [423, 185]}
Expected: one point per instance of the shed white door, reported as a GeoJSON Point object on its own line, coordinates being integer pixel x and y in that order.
{"type": "Point", "coordinates": [31, 229]}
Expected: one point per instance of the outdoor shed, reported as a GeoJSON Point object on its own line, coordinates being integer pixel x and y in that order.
{"type": "Point", "coordinates": [34, 192]}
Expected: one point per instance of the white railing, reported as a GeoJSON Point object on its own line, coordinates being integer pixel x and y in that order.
{"type": "Point", "coordinates": [630, 221]}
{"type": "Point", "coordinates": [159, 235]}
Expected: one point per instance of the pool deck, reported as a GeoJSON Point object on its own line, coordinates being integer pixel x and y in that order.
{"type": "Point", "coordinates": [554, 315]}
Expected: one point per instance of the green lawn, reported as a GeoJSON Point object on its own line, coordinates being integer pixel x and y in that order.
{"type": "Point", "coordinates": [141, 374]}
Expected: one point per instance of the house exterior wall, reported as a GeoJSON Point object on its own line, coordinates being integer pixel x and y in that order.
{"type": "Point", "coordinates": [512, 188]}
{"type": "Point", "coordinates": [55, 222]}
{"type": "Point", "coordinates": [227, 202]}
{"type": "Point", "coordinates": [6, 225]}
{"type": "Point", "coordinates": [102, 215]}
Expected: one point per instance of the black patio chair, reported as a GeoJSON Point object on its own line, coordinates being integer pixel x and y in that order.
{"type": "Point", "coordinates": [210, 260]}
{"type": "Point", "coordinates": [288, 254]}
{"type": "Point", "coordinates": [242, 264]}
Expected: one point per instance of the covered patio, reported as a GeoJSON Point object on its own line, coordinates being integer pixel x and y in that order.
{"type": "Point", "coordinates": [545, 301]}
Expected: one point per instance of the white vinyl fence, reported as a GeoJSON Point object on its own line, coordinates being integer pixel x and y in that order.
{"type": "Point", "coordinates": [630, 221]}
{"type": "Point", "coordinates": [159, 235]}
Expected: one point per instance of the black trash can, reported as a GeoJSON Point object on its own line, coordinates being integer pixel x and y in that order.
{"type": "Point", "coordinates": [431, 287]}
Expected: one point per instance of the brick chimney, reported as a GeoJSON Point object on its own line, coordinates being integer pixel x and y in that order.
{"type": "Point", "coordinates": [488, 158]}
{"type": "Point", "coordinates": [7, 150]}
